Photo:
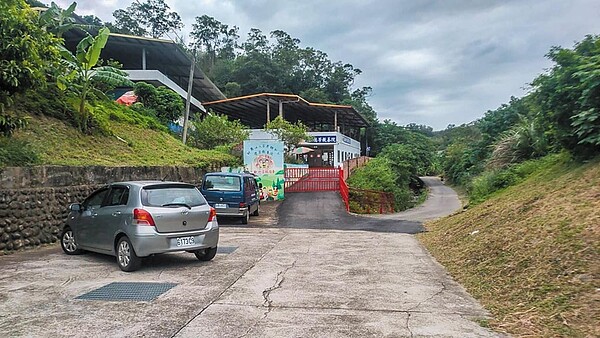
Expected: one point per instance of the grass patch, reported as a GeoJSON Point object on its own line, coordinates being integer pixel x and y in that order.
{"type": "Point", "coordinates": [58, 143]}
{"type": "Point", "coordinates": [530, 253]}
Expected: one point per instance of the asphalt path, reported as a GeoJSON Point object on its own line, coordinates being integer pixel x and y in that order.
{"type": "Point", "coordinates": [325, 210]}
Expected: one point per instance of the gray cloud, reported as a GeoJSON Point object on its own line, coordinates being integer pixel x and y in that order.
{"type": "Point", "coordinates": [429, 62]}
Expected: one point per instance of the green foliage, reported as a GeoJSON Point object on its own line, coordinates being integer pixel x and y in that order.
{"type": "Point", "coordinates": [16, 153]}
{"type": "Point", "coordinates": [525, 140]}
{"type": "Point", "coordinates": [26, 51]}
{"type": "Point", "coordinates": [569, 96]}
{"type": "Point", "coordinates": [82, 75]}
{"type": "Point", "coordinates": [232, 89]}
{"type": "Point", "coordinates": [106, 110]}
{"type": "Point", "coordinates": [151, 17]}
{"type": "Point", "coordinates": [379, 174]}
{"type": "Point", "coordinates": [492, 181]}
{"type": "Point", "coordinates": [276, 64]}
{"type": "Point", "coordinates": [422, 149]}
{"type": "Point", "coordinates": [58, 20]}
{"type": "Point", "coordinates": [216, 130]}
{"type": "Point", "coordinates": [161, 102]}
{"type": "Point", "coordinates": [290, 133]}
{"type": "Point", "coordinates": [10, 123]}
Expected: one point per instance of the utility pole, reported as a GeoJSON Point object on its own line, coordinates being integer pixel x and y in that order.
{"type": "Point", "coordinates": [189, 97]}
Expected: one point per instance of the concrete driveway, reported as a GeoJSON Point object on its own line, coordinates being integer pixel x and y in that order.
{"type": "Point", "coordinates": [266, 282]}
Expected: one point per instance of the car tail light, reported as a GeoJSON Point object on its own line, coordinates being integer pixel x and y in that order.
{"type": "Point", "coordinates": [242, 205]}
{"type": "Point", "coordinates": [212, 215]}
{"type": "Point", "coordinates": [142, 217]}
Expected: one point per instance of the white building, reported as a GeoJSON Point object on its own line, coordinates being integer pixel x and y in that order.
{"type": "Point", "coordinates": [335, 128]}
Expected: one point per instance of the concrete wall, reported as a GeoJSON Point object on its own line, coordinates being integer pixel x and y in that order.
{"type": "Point", "coordinates": [34, 200]}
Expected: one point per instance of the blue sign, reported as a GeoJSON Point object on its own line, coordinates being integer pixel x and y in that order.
{"type": "Point", "coordinates": [347, 140]}
{"type": "Point", "coordinates": [324, 139]}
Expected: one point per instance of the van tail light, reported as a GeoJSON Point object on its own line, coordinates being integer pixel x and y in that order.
{"type": "Point", "coordinates": [142, 217]}
{"type": "Point", "coordinates": [242, 205]}
{"type": "Point", "coordinates": [212, 215]}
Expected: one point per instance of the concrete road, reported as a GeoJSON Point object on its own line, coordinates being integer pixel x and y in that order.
{"type": "Point", "coordinates": [267, 282]}
{"type": "Point", "coordinates": [441, 201]}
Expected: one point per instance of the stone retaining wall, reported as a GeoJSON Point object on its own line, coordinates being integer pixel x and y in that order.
{"type": "Point", "coordinates": [34, 201]}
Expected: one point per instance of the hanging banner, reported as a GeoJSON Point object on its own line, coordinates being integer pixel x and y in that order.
{"type": "Point", "coordinates": [264, 158]}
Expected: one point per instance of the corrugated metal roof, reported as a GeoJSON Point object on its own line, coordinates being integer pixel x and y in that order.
{"type": "Point", "coordinates": [165, 56]}
{"type": "Point", "coordinates": [251, 110]}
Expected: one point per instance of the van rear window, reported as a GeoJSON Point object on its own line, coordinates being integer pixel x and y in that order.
{"type": "Point", "coordinates": [222, 183]}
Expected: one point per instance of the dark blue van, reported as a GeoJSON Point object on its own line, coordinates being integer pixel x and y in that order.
{"type": "Point", "coordinates": [232, 194]}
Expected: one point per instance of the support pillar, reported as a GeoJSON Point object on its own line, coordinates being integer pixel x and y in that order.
{"type": "Point", "coordinates": [143, 58]}
{"type": "Point", "coordinates": [268, 111]}
{"type": "Point", "coordinates": [281, 109]}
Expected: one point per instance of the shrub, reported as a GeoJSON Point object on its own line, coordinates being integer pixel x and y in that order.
{"type": "Point", "coordinates": [489, 182]}
{"type": "Point", "coordinates": [16, 153]}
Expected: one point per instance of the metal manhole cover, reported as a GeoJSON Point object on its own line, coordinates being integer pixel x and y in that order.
{"type": "Point", "coordinates": [226, 249]}
{"type": "Point", "coordinates": [135, 291]}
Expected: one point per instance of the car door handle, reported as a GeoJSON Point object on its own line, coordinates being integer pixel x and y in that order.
{"type": "Point", "coordinates": [116, 213]}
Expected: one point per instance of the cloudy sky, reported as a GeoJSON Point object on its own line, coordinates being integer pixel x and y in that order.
{"type": "Point", "coordinates": [429, 62]}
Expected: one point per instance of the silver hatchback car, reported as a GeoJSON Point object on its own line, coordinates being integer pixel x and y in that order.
{"type": "Point", "coordinates": [132, 220]}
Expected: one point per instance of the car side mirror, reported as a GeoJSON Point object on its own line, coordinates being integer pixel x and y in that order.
{"type": "Point", "coordinates": [75, 207]}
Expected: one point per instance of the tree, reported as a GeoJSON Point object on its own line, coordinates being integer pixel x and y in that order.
{"type": "Point", "coordinates": [126, 23]}
{"type": "Point", "coordinates": [216, 130]}
{"type": "Point", "coordinates": [161, 102]}
{"type": "Point", "coordinates": [82, 73]}
{"type": "Point", "coordinates": [58, 20]}
{"type": "Point", "coordinates": [26, 51]}
{"type": "Point", "coordinates": [214, 40]}
{"type": "Point", "coordinates": [569, 96]}
{"type": "Point", "coordinates": [290, 133]}
{"type": "Point", "coordinates": [151, 17]}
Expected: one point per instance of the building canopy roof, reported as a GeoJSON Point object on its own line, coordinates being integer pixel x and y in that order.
{"type": "Point", "coordinates": [251, 110]}
{"type": "Point", "coordinates": [165, 56]}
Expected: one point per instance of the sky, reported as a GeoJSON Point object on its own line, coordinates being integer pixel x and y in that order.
{"type": "Point", "coordinates": [429, 62]}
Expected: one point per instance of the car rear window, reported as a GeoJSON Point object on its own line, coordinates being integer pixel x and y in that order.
{"type": "Point", "coordinates": [226, 183]}
{"type": "Point", "coordinates": [172, 195]}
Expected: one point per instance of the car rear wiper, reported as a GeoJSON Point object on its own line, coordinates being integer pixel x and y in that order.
{"type": "Point", "coordinates": [174, 204]}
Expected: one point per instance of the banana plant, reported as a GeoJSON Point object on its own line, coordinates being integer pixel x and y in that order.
{"type": "Point", "coordinates": [83, 73]}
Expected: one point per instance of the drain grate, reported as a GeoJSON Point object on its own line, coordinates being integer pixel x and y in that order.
{"type": "Point", "coordinates": [135, 291]}
{"type": "Point", "coordinates": [226, 249]}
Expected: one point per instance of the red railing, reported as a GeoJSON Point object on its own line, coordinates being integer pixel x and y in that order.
{"type": "Point", "coordinates": [344, 190]}
{"type": "Point", "coordinates": [362, 201]}
{"type": "Point", "coordinates": [332, 179]}
{"type": "Point", "coordinates": [312, 179]}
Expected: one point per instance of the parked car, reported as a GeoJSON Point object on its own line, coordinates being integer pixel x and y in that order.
{"type": "Point", "coordinates": [232, 194]}
{"type": "Point", "coordinates": [132, 220]}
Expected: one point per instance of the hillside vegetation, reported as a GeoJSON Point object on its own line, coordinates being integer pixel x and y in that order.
{"type": "Point", "coordinates": [58, 143]}
{"type": "Point", "coordinates": [531, 252]}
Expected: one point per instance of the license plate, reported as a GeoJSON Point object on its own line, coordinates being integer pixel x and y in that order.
{"type": "Point", "coordinates": [220, 206]}
{"type": "Point", "coordinates": [185, 241]}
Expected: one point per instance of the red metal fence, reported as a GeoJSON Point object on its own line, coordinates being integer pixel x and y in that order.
{"type": "Point", "coordinates": [362, 201]}
{"type": "Point", "coordinates": [312, 179]}
{"type": "Point", "coordinates": [332, 179]}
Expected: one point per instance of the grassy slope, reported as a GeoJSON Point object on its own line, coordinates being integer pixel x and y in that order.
{"type": "Point", "coordinates": [60, 144]}
{"type": "Point", "coordinates": [531, 254]}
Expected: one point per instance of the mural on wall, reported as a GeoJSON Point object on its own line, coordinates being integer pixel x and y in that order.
{"type": "Point", "coordinates": [264, 158]}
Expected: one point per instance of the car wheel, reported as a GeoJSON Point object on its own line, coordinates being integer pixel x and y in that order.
{"type": "Point", "coordinates": [126, 257]}
{"type": "Point", "coordinates": [68, 243]}
{"type": "Point", "coordinates": [246, 216]}
{"type": "Point", "coordinates": [206, 254]}
{"type": "Point", "coordinates": [256, 212]}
